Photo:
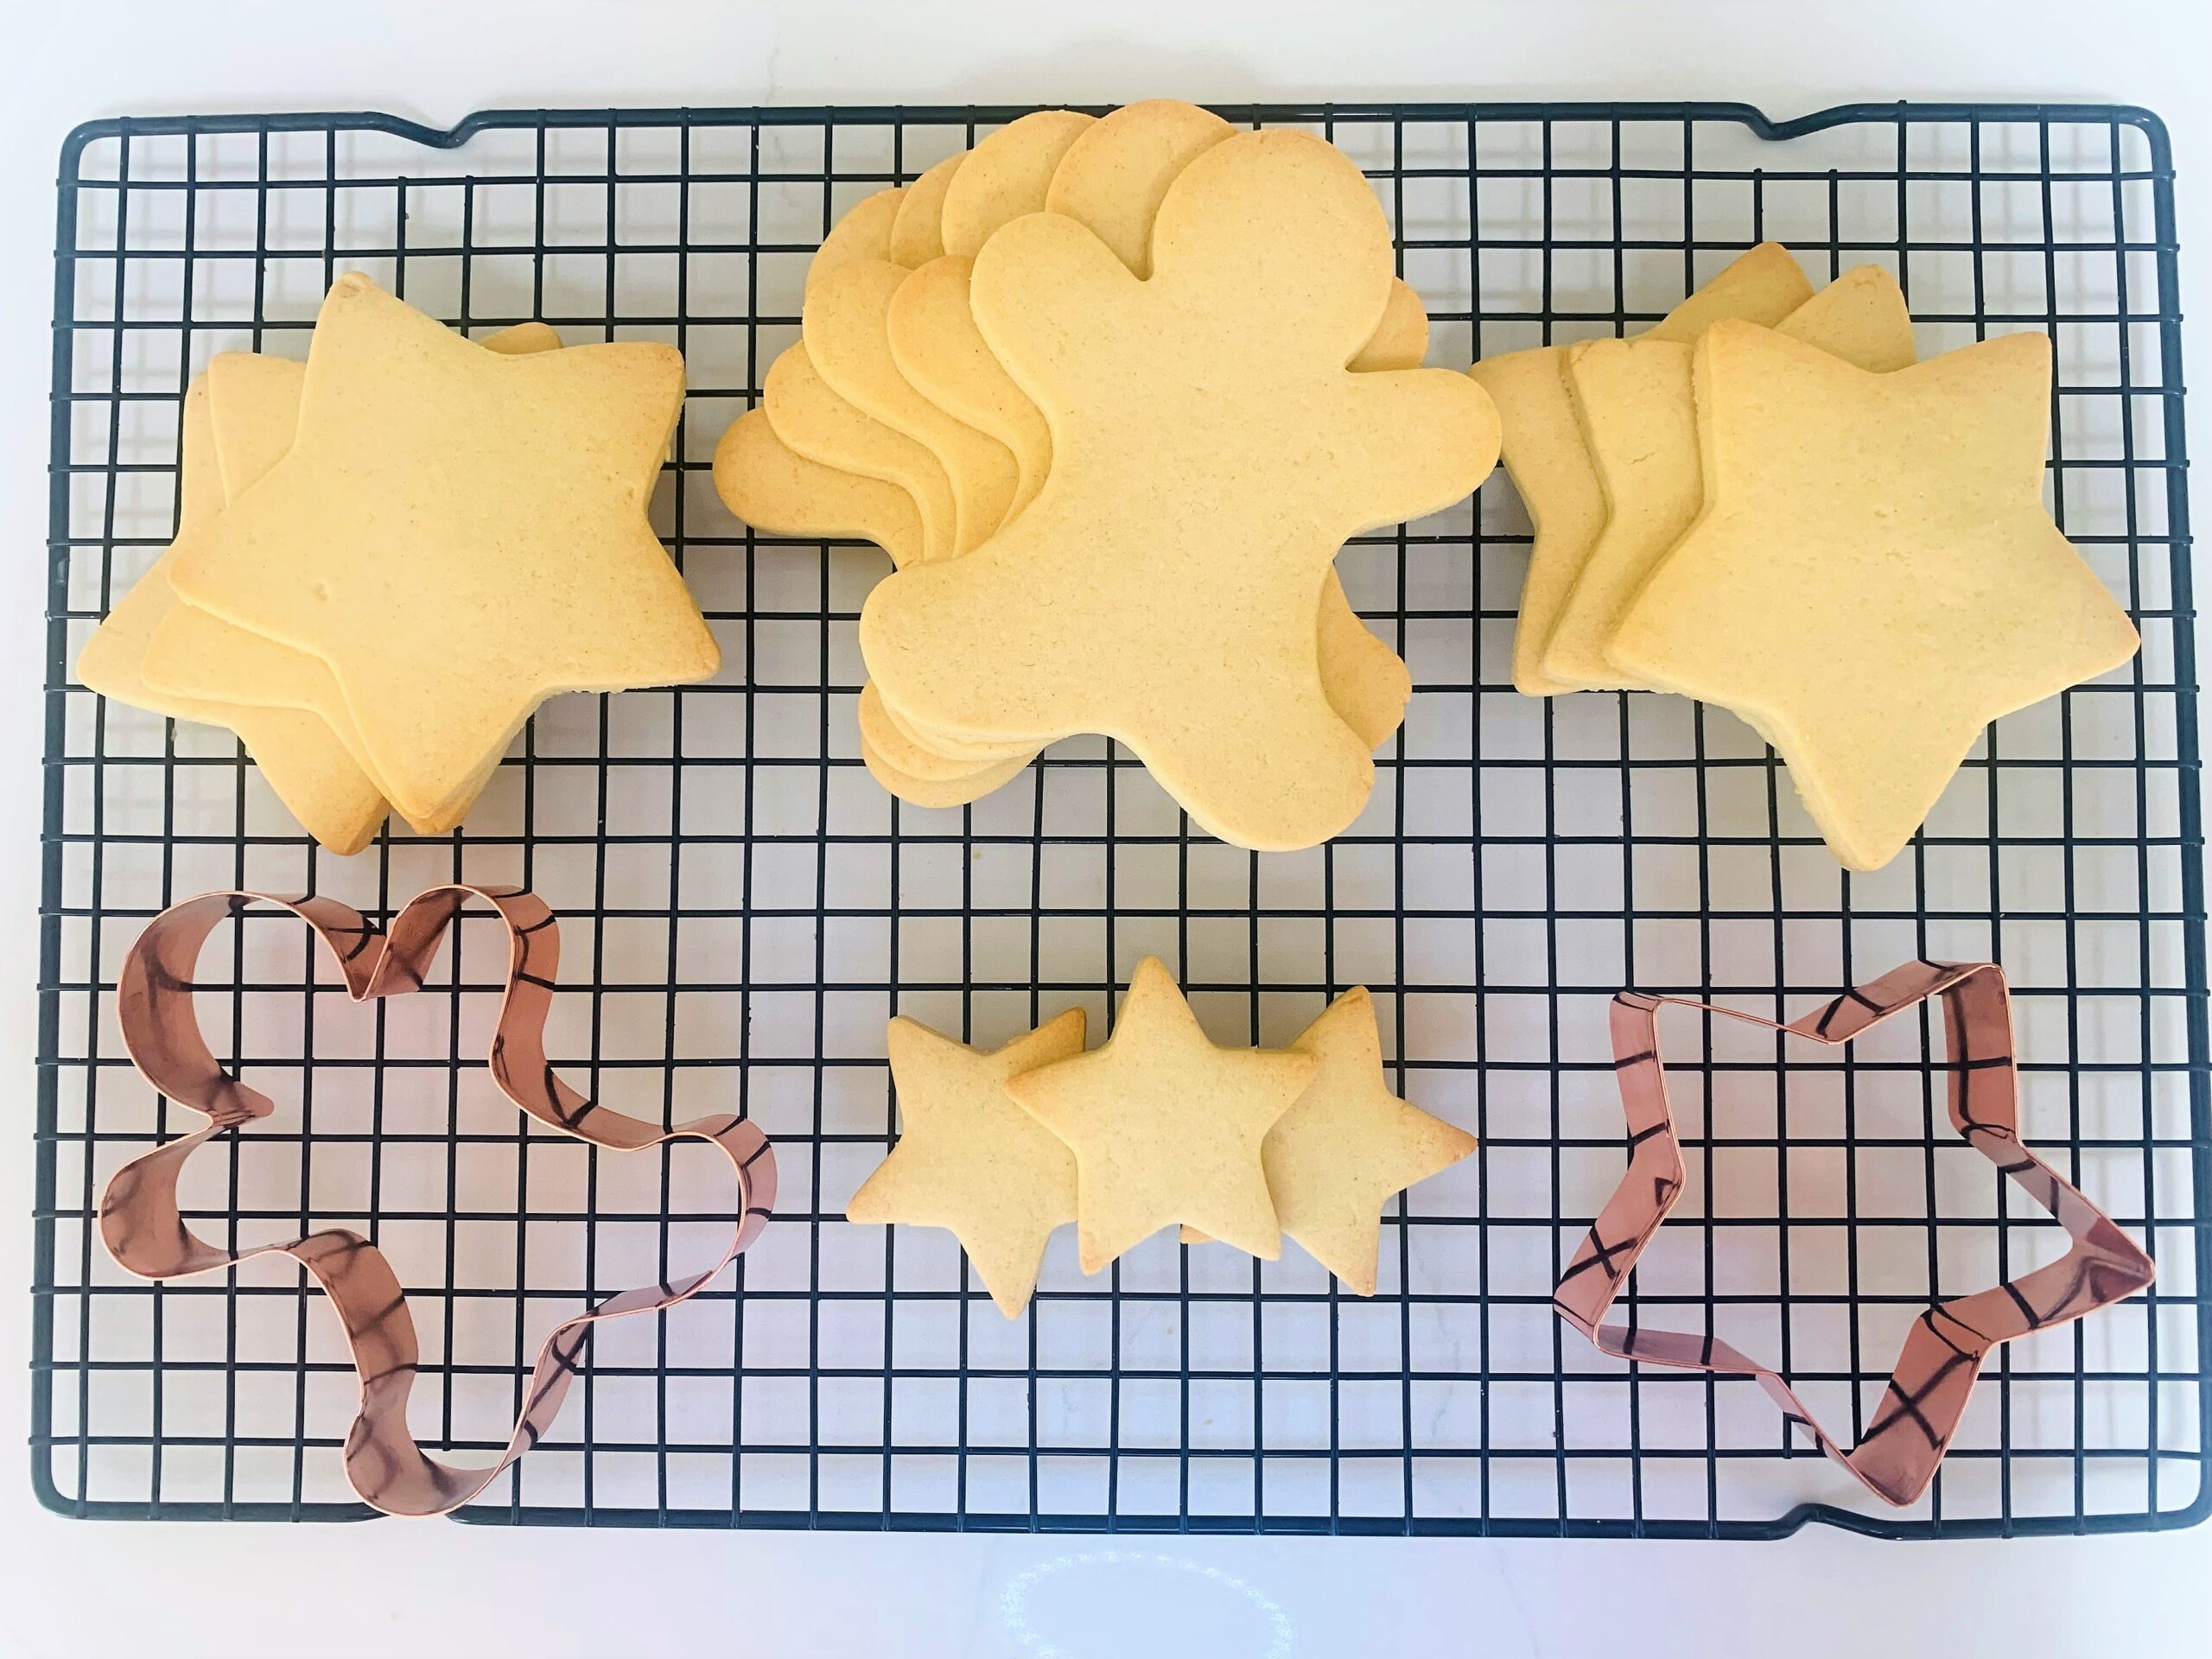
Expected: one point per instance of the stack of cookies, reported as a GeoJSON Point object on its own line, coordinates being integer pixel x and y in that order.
{"type": "Point", "coordinates": [1766, 502]}
{"type": "Point", "coordinates": [1158, 1127]}
{"type": "Point", "coordinates": [388, 555]}
{"type": "Point", "coordinates": [1112, 394]}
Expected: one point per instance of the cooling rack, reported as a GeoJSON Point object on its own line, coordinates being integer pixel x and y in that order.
{"type": "Point", "coordinates": [745, 908]}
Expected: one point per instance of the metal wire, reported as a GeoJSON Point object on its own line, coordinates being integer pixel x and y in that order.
{"type": "Point", "coordinates": [750, 907]}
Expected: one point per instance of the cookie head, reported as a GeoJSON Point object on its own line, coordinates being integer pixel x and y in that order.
{"type": "Point", "coordinates": [1281, 233]}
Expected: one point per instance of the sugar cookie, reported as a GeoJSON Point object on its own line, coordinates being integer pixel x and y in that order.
{"type": "Point", "coordinates": [917, 236]}
{"type": "Point", "coordinates": [938, 347]}
{"type": "Point", "coordinates": [847, 331]}
{"type": "Point", "coordinates": [1541, 448]}
{"type": "Point", "coordinates": [1006, 175]}
{"type": "Point", "coordinates": [1874, 577]}
{"type": "Point", "coordinates": [970, 1161]}
{"type": "Point", "coordinates": [818, 425]}
{"type": "Point", "coordinates": [460, 535]}
{"type": "Point", "coordinates": [1634, 412]}
{"type": "Point", "coordinates": [1764, 284]}
{"type": "Point", "coordinates": [1166, 1127]}
{"type": "Point", "coordinates": [1116, 172]}
{"type": "Point", "coordinates": [942, 793]}
{"type": "Point", "coordinates": [1349, 1145]}
{"type": "Point", "coordinates": [253, 409]}
{"type": "Point", "coordinates": [1401, 340]}
{"type": "Point", "coordinates": [865, 232]}
{"type": "Point", "coordinates": [934, 336]}
{"type": "Point", "coordinates": [1112, 180]}
{"type": "Point", "coordinates": [306, 765]}
{"type": "Point", "coordinates": [771, 487]}
{"type": "Point", "coordinates": [970, 750]}
{"type": "Point", "coordinates": [1211, 456]}
{"type": "Point", "coordinates": [892, 752]}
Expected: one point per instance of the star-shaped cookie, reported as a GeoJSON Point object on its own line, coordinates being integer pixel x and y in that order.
{"type": "Point", "coordinates": [1636, 410]}
{"type": "Point", "coordinates": [1349, 1145]}
{"type": "Point", "coordinates": [1166, 1127]}
{"type": "Point", "coordinates": [1543, 451]}
{"type": "Point", "coordinates": [459, 534]}
{"type": "Point", "coordinates": [333, 799]}
{"type": "Point", "coordinates": [1874, 577]}
{"type": "Point", "coordinates": [253, 406]}
{"type": "Point", "coordinates": [970, 1160]}
{"type": "Point", "coordinates": [1211, 452]}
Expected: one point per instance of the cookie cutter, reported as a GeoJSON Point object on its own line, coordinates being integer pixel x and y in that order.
{"type": "Point", "coordinates": [1943, 1354]}
{"type": "Point", "coordinates": [140, 1223]}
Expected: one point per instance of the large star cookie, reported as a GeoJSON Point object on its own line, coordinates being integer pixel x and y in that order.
{"type": "Point", "coordinates": [459, 534]}
{"type": "Point", "coordinates": [1875, 577]}
{"type": "Point", "coordinates": [1634, 404]}
{"type": "Point", "coordinates": [1544, 454]}
{"type": "Point", "coordinates": [305, 764]}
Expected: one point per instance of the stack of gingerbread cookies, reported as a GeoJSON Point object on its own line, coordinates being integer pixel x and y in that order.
{"type": "Point", "coordinates": [1112, 394]}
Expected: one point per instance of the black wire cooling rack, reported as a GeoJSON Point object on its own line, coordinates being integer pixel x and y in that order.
{"type": "Point", "coordinates": [745, 907]}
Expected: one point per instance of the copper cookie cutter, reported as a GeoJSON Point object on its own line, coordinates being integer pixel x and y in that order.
{"type": "Point", "coordinates": [144, 1231]}
{"type": "Point", "coordinates": [1943, 1354]}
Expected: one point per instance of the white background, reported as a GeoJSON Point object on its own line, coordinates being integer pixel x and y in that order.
{"type": "Point", "coordinates": [438, 1589]}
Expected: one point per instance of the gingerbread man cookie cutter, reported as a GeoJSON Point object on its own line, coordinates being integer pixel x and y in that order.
{"type": "Point", "coordinates": [1911, 1429]}
{"type": "Point", "coordinates": [142, 1225]}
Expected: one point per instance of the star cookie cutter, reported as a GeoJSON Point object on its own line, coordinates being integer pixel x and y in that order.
{"type": "Point", "coordinates": [1942, 1355]}
{"type": "Point", "coordinates": [141, 1226]}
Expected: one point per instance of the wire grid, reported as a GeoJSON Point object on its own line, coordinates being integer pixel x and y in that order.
{"type": "Point", "coordinates": [744, 907]}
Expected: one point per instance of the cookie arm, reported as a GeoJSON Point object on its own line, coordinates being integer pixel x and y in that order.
{"type": "Point", "coordinates": [1043, 289]}
{"type": "Point", "coordinates": [1405, 443]}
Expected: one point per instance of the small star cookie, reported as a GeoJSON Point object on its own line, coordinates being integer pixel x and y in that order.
{"type": "Point", "coordinates": [970, 1161]}
{"type": "Point", "coordinates": [1349, 1145]}
{"type": "Point", "coordinates": [1166, 1127]}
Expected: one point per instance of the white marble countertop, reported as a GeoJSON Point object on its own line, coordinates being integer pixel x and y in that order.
{"type": "Point", "coordinates": [241, 1592]}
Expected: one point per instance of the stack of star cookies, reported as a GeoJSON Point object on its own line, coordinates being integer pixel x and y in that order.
{"type": "Point", "coordinates": [388, 555]}
{"type": "Point", "coordinates": [1157, 1128]}
{"type": "Point", "coordinates": [1112, 394]}
{"type": "Point", "coordinates": [1765, 502]}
